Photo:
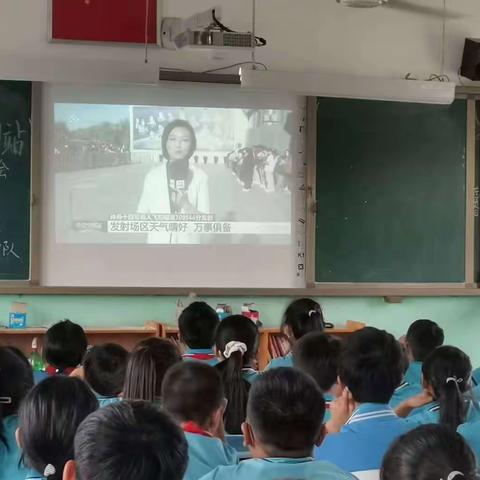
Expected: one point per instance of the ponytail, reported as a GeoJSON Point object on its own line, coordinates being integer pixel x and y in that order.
{"type": "Point", "coordinates": [237, 340]}
{"type": "Point", "coordinates": [453, 407]}
{"type": "Point", "coordinates": [236, 392]}
{"type": "Point", "coordinates": [447, 370]}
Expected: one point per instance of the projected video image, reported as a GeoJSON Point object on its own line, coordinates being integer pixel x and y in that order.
{"type": "Point", "coordinates": [172, 175]}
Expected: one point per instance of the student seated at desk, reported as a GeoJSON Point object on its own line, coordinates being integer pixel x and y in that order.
{"type": "Point", "coordinates": [446, 398]}
{"type": "Point", "coordinates": [236, 341]}
{"type": "Point", "coordinates": [301, 317]}
{"type": "Point", "coordinates": [423, 337]}
{"type": "Point", "coordinates": [429, 452]}
{"type": "Point", "coordinates": [146, 368]}
{"type": "Point", "coordinates": [104, 370]}
{"type": "Point", "coordinates": [64, 347]}
{"type": "Point", "coordinates": [15, 381]}
{"type": "Point", "coordinates": [197, 325]}
{"type": "Point", "coordinates": [49, 417]}
{"type": "Point", "coordinates": [317, 355]}
{"type": "Point", "coordinates": [192, 393]}
{"type": "Point", "coordinates": [363, 425]}
{"type": "Point", "coordinates": [284, 422]}
{"type": "Point", "coordinates": [128, 440]}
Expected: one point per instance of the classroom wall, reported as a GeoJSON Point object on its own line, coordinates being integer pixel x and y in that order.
{"type": "Point", "coordinates": [460, 317]}
{"type": "Point", "coordinates": [303, 35]}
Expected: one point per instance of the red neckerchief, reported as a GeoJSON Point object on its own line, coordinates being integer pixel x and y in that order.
{"type": "Point", "coordinates": [51, 371]}
{"type": "Point", "coordinates": [199, 356]}
{"type": "Point", "coordinates": [192, 427]}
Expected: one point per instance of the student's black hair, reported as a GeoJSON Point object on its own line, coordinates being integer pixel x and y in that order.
{"type": "Point", "coordinates": [48, 419]}
{"type": "Point", "coordinates": [448, 370]}
{"type": "Point", "coordinates": [317, 354]}
{"type": "Point", "coordinates": [240, 329]}
{"type": "Point", "coordinates": [303, 316]}
{"type": "Point", "coordinates": [130, 440]}
{"type": "Point", "coordinates": [286, 411]}
{"type": "Point", "coordinates": [16, 379]}
{"type": "Point", "coordinates": [430, 452]}
{"type": "Point", "coordinates": [371, 365]}
{"type": "Point", "coordinates": [168, 130]}
{"type": "Point", "coordinates": [197, 325]}
{"type": "Point", "coordinates": [64, 345]}
{"type": "Point", "coordinates": [192, 391]}
{"type": "Point", "coordinates": [104, 367]}
{"type": "Point", "coordinates": [146, 368]}
{"type": "Point", "coordinates": [424, 336]}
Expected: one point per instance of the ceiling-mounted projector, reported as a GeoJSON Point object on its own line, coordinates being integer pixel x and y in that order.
{"type": "Point", "coordinates": [203, 30]}
{"type": "Point", "coordinates": [362, 3]}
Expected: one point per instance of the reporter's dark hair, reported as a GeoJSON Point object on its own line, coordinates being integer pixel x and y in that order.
{"type": "Point", "coordinates": [197, 325]}
{"type": "Point", "coordinates": [48, 419]}
{"type": "Point", "coordinates": [130, 439]}
{"type": "Point", "coordinates": [240, 329]}
{"type": "Point", "coordinates": [146, 368]}
{"type": "Point", "coordinates": [303, 316]}
{"type": "Point", "coordinates": [64, 345]}
{"type": "Point", "coordinates": [16, 379]}
{"type": "Point", "coordinates": [286, 410]}
{"type": "Point", "coordinates": [371, 365]}
{"type": "Point", "coordinates": [192, 391]}
{"type": "Point", "coordinates": [104, 367]}
{"type": "Point", "coordinates": [424, 336]}
{"type": "Point", "coordinates": [430, 452]}
{"type": "Point", "coordinates": [317, 354]}
{"type": "Point", "coordinates": [448, 370]}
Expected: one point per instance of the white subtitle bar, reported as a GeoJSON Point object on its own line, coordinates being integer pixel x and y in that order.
{"type": "Point", "coordinates": [228, 228]}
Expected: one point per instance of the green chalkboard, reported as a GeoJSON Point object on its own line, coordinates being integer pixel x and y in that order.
{"type": "Point", "coordinates": [390, 192]}
{"type": "Point", "coordinates": [15, 173]}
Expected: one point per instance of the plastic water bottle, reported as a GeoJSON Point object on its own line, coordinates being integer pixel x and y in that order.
{"type": "Point", "coordinates": [36, 359]}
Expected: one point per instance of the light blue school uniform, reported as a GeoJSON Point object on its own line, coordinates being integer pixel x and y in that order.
{"type": "Point", "coordinates": [286, 361]}
{"type": "Point", "coordinates": [190, 354]}
{"type": "Point", "coordinates": [250, 375]}
{"type": "Point", "coordinates": [279, 469]}
{"type": "Point", "coordinates": [364, 439]}
{"type": "Point", "coordinates": [430, 413]}
{"type": "Point", "coordinates": [414, 375]}
{"type": "Point", "coordinates": [476, 376]}
{"type": "Point", "coordinates": [10, 454]}
{"type": "Point", "coordinates": [206, 454]}
{"type": "Point", "coordinates": [404, 392]}
{"type": "Point", "coordinates": [476, 393]}
{"type": "Point", "coordinates": [471, 433]}
{"type": "Point", "coordinates": [104, 401]}
{"type": "Point", "coordinates": [328, 400]}
{"type": "Point", "coordinates": [32, 475]}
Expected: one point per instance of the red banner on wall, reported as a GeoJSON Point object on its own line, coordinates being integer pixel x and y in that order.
{"type": "Point", "coordinates": [104, 20]}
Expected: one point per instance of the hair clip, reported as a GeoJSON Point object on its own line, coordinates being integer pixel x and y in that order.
{"type": "Point", "coordinates": [6, 400]}
{"type": "Point", "coordinates": [312, 312]}
{"type": "Point", "coordinates": [49, 470]}
{"type": "Point", "coordinates": [454, 474]}
{"type": "Point", "coordinates": [454, 379]}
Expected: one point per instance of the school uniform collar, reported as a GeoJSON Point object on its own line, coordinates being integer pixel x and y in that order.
{"type": "Point", "coordinates": [199, 353]}
{"type": "Point", "coordinates": [433, 407]}
{"type": "Point", "coordinates": [370, 412]}
{"type": "Point", "coordinates": [192, 427]}
{"type": "Point", "coordinates": [403, 385]}
{"type": "Point", "coordinates": [249, 370]}
{"type": "Point", "coordinates": [288, 460]}
{"type": "Point", "coordinates": [414, 373]}
{"type": "Point", "coordinates": [32, 475]}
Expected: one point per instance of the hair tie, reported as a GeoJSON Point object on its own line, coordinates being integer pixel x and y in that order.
{"type": "Point", "coordinates": [454, 474]}
{"type": "Point", "coordinates": [312, 312]}
{"type": "Point", "coordinates": [457, 381]}
{"type": "Point", "coordinates": [49, 470]}
{"type": "Point", "coordinates": [234, 346]}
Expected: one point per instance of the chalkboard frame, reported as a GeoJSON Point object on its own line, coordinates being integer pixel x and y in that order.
{"type": "Point", "coordinates": [391, 292]}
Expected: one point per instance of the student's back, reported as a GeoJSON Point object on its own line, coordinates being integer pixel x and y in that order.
{"type": "Point", "coordinates": [284, 421]}
{"type": "Point", "coordinates": [471, 433]}
{"type": "Point", "coordinates": [193, 394]}
{"type": "Point", "coordinates": [197, 325]}
{"type": "Point", "coordinates": [130, 440]}
{"type": "Point", "coordinates": [15, 381]}
{"type": "Point", "coordinates": [370, 368]}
